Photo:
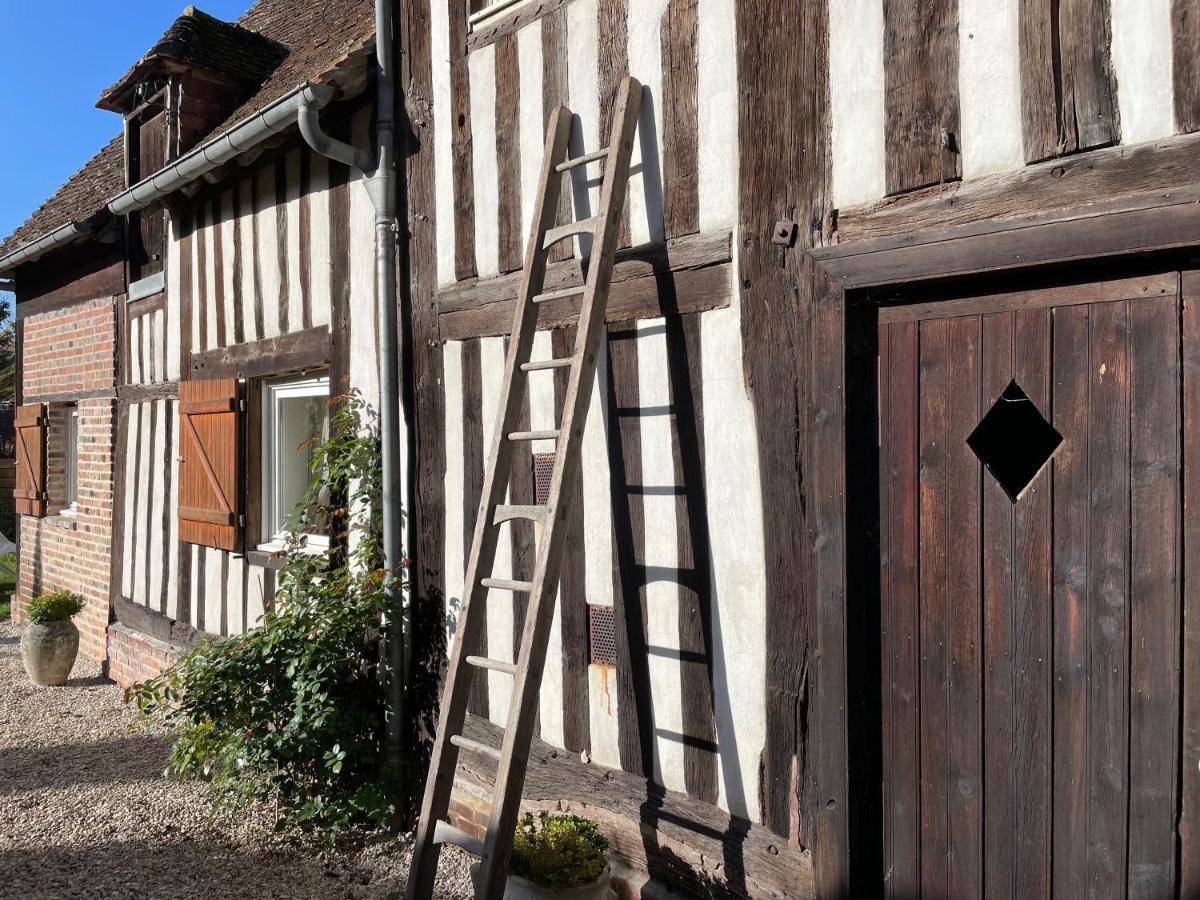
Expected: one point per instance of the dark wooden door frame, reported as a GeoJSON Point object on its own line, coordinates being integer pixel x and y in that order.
{"type": "Point", "coordinates": [841, 280]}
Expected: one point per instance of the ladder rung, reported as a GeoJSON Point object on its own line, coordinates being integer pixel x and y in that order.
{"type": "Point", "coordinates": [465, 743]}
{"type": "Point", "coordinates": [445, 833]}
{"type": "Point", "coordinates": [533, 435]}
{"type": "Point", "coordinates": [562, 363]}
{"type": "Point", "coordinates": [559, 294]}
{"type": "Point", "coordinates": [503, 584]}
{"type": "Point", "coordinates": [482, 662]}
{"type": "Point", "coordinates": [581, 160]}
{"type": "Point", "coordinates": [562, 232]}
{"type": "Point", "coordinates": [505, 513]}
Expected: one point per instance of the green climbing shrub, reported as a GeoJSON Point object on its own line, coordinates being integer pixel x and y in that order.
{"type": "Point", "coordinates": [292, 712]}
{"type": "Point", "coordinates": [558, 852]}
{"type": "Point", "coordinates": [57, 607]}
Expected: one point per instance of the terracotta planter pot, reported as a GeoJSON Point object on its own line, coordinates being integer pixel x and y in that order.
{"type": "Point", "coordinates": [49, 650]}
{"type": "Point", "coordinates": [518, 888]}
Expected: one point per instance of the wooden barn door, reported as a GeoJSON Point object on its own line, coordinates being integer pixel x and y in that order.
{"type": "Point", "coordinates": [1032, 539]}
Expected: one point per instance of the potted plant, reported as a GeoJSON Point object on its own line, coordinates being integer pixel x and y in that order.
{"type": "Point", "coordinates": [50, 641]}
{"type": "Point", "coordinates": [559, 857]}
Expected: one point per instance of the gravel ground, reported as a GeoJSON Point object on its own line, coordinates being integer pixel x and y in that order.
{"type": "Point", "coordinates": [85, 812]}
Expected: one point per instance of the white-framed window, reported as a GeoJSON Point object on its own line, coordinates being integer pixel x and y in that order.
{"type": "Point", "coordinates": [481, 10]}
{"type": "Point", "coordinates": [71, 462]}
{"type": "Point", "coordinates": [295, 417]}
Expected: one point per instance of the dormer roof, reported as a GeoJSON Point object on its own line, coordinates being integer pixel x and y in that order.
{"type": "Point", "coordinates": [196, 39]}
{"type": "Point", "coordinates": [322, 35]}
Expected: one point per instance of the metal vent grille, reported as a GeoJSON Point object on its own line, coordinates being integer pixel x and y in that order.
{"type": "Point", "coordinates": [602, 635]}
{"type": "Point", "coordinates": [543, 471]}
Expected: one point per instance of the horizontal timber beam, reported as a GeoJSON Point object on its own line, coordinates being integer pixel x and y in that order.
{"type": "Point", "coordinates": [140, 393]}
{"type": "Point", "coordinates": [156, 625]}
{"type": "Point", "coordinates": [685, 275]}
{"type": "Point", "coordinates": [1067, 182]}
{"type": "Point", "coordinates": [685, 844]}
{"type": "Point", "coordinates": [307, 349]}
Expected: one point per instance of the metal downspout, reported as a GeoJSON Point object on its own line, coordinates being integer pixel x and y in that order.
{"type": "Point", "coordinates": [381, 187]}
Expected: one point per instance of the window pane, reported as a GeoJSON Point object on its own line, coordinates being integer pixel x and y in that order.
{"type": "Point", "coordinates": [302, 423]}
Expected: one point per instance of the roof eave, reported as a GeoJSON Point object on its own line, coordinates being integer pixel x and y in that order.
{"type": "Point", "coordinates": [67, 234]}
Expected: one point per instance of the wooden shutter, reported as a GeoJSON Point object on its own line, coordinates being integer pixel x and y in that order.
{"type": "Point", "coordinates": [30, 492]}
{"type": "Point", "coordinates": [210, 424]}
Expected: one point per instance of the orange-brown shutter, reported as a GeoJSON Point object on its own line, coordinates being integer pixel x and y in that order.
{"type": "Point", "coordinates": [209, 462]}
{"type": "Point", "coordinates": [30, 492]}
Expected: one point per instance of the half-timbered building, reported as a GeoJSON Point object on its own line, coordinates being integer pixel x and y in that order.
{"type": "Point", "coordinates": [879, 576]}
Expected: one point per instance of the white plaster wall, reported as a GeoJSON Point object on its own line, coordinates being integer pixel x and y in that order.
{"type": "Point", "coordinates": [245, 239]}
{"type": "Point", "coordinates": [717, 113]}
{"type": "Point", "coordinates": [645, 64]}
{"type": "Point", "coordinates": [499, 603]}
{"type": "Point", "coordinates": [455, 551]}
{"type": "Point", "coordinates": [658, 499]}
{"type": "Point", "coordinates": [268, 254]}
{"type": "Point", "coordinates": [736, 522]}
{"type": "Point", "coordinates": [228, 252]}
{"type": "Point", "coordinates": [320, 265]}
{"type": "Point", "coordinates": [208, 235]}
{"type": "Point", "coordinates": [171, 411]}
{"type": "Point", "coordinates": [856, 86]}
{"type": "Point", "coordinates": [542, 417]}
{"type": "Point", "coordinates": [174, 291]}
{"type": "Point", "coordinates": [583, 91]}
{"type": "Point", "coordinates": [989, 87]}
{"type": "Point", "coordinates": [1141, 59]}
{"type": "Point", "coordinates": [482, 64]}
{"type": "Point", "coordinates": [153, 540]}
{"type": "Point", "coordinates": [531, 133]}
{"type": "Point", "coordinates": [212, 594]}
{"type": "Point", "coordinates": [443, 141]}
{"type": "Point", "coordinates": [364, 355]}
{"type": "Point", "coordinates": [295, 299]}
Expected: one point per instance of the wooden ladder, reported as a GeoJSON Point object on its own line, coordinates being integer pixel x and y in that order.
{"type": "Point", "coordinates": [433, 830]}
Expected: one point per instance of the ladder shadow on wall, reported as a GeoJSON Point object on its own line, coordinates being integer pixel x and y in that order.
{"type": "Point", "coordinates": [708, 739]}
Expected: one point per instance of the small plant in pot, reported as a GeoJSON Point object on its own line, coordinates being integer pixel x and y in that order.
{"type": "Point", "coordinates": [559, 856]}
{"type": "Point", "coordinates": [50, 641]}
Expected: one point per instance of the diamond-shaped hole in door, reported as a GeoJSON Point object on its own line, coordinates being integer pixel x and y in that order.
{"type": "Point", "coordinates": [1014, 441]}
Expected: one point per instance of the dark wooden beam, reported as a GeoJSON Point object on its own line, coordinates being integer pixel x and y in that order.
{"type": "Point", "coordinates": [1135, 224]}
{"type": "Point", "coordinates": [921, 96]}
{"type": "Point", "coordinates": [423, 392]}
{"type": "Point", "coordinates": [784, 173]}
{"type": "Point", "coordinates": [309, 349]}
{"type": "Point", "coordinates": [696, 265]}
{"type": "Point", "coordinates": [157, 625]}
{"type": "Point", "coordinates": [1073, 182]}
{"type": "Point", "coordinates": [140, 393]}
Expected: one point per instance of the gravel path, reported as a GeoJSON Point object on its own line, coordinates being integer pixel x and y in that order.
{"type": "Point", "coordinates": [85, 812]}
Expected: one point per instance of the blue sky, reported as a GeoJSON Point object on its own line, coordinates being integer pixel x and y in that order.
{"type": "Point", "coordinates": [55, 59]}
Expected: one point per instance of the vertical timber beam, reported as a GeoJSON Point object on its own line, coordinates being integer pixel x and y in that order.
{"type": "Point", "coordinates": [784, 172]}
{"type": "Point", "coordinates": [422, 394]}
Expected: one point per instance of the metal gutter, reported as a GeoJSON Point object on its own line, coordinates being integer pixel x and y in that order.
{"type": "Point", "coordinates": [244, 136]}
{"type": "Point", "coordinates": [60, 237]}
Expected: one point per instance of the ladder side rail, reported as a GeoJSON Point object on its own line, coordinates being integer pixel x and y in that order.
{"type": "Point", "coordinates": [510, 774]}
{"type": "Point", "coordinates": [444, 758]}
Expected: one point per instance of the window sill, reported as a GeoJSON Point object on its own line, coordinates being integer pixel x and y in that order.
{"type": "Point", "coordinates": [68, 521]}
{"type": "Point", "coordinates": [273, 554]}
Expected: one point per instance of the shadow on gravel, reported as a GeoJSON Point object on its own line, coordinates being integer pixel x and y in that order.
{"type": "Point", "coordinates": [9, 640]}
{"type": "Point", "coordinates": [172, 866]}
{"type": "Point", "coordinates": [121, 760]}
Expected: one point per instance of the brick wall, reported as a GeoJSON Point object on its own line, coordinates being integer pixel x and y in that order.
{"type": "Point", "coordinates": [134, 657]}
{"type": "Point", "coordinates": [64, 352]}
